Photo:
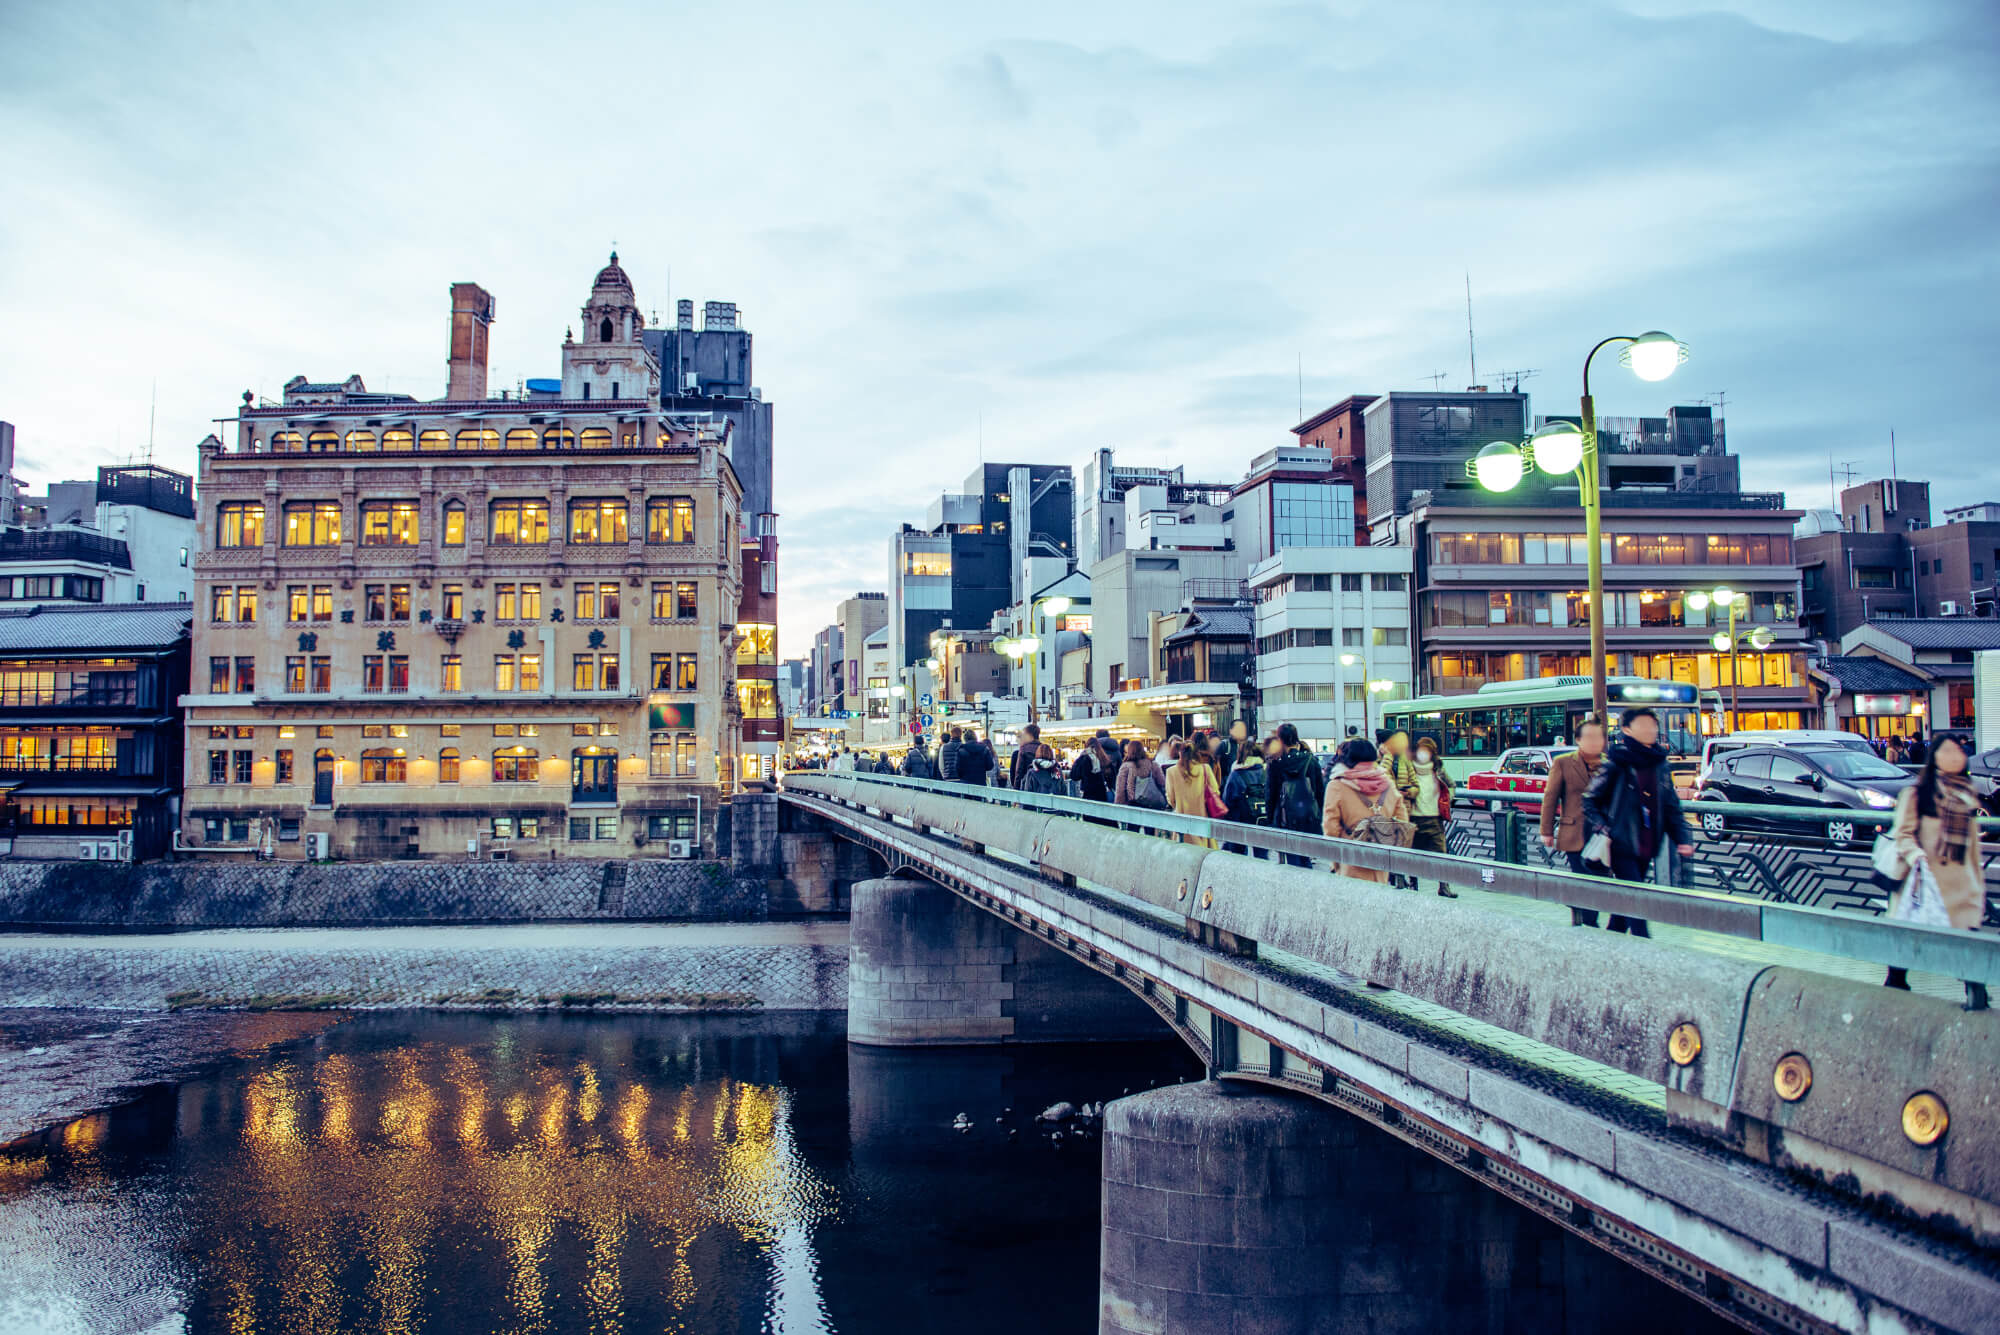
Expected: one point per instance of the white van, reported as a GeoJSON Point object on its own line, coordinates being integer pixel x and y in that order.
{"type": "Point", "coordinates": [1735, 741]}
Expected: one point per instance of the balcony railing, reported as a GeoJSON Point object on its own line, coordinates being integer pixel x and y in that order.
{"type": "Point", "coordinates": [22, 544]}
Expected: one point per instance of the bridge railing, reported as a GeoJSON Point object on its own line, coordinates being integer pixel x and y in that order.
{"type": "Point", "coordinates": [1969, 956]}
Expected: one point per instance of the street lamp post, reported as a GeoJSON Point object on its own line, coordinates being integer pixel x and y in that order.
{"type": "Point", "coordinates": [1760, 638]}
{"type": "Point", "coordinates": [1561, 447]}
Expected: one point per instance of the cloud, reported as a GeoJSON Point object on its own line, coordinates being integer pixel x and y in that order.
{"type": "Point", "coordinates": [1033, 232]}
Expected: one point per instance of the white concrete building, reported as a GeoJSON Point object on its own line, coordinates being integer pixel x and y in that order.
{"type": "Point", "coordinates": [129, 537]}
{"type": "Point", "coordinates": [1333, 639]}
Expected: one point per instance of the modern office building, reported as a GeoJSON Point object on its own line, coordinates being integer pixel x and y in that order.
{"type": "Point", "coordinates": [128, 537]}
{"type": "Point", "coordinates": [1295, 496]}
{"type": "Point", "coordinates": [1882, 557]}
{"type": "Point", "coordinates": [487, 626]}
{"type": "Point", "coordinates": [1010, 529]}
{"type": "Point", "coordinates": [1342, 431]}
{"type": "Point", "coordinates": [90, 731]}
{"type": "Point", "coordinates": [1333, 639]}
{"type": "Point", "coordinates": [1419, 442]}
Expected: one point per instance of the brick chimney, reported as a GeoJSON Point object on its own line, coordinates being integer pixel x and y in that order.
{"type": "Point", "coordinates": [471, 312]}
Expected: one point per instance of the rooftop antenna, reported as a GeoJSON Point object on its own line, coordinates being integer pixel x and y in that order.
{"type": "Point", "coordinates": [1511, 380]}
{"type": "Point", "coordinates": [1302, 387]}
{"type": "Point", "coordinates": [1892, 455]}
{"type": "Point", "coordinates": [1437, 379]}
{"type": "Point", "coordinates": [1471, 349]}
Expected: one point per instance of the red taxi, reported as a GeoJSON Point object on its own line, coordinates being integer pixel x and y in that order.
{"type": "Point", "coordinates": [1519, 778]}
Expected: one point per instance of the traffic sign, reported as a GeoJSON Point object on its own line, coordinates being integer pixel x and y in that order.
{"type": "Point", "coordinates": [928, 720]}
{"type": "Point", "coordinates": [925, 700]}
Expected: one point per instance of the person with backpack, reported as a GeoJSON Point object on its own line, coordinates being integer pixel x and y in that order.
{"type": "Point", "coordinates": [948, 755]}
{"type": "Point", "coordinates": [1295, 790]}
{"type": "Point", "coordinates": [1364, 806]}
{"type": "Point", "coordinates": [916, 762]}
{"type": "Point", "coordinates": [1044, 774]}
{"type": "Point", "coordinates": [1140, 783]}
{"type": "Point", "coordinates": [1094, 770]}
{"type": "Point", "coordinates": [884, 765]}
{"type": "Point", "coordinates": [1026, 751]}
{"type": "Point", "coordinates": [975, 760]}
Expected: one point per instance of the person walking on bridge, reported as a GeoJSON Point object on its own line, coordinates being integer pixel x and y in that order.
{"type": "Point", "coordinates": [1140, 783]}
{"type": "Point", "coordinates": [916, 761]}
{"type": "Point", "coordinates": [1192, 789]}
{"type": "Point", "coordinates": [1027, 751]}
{"type": "Point", "coordinates": [1562, 806]}
{"type": "Point", "coordinates": [948, 755]}
{"type": "Point", "coordinates": [1937, 824]}
{"type": "Point", "coordinates": [1044, 774]}
{"type": "Point", "coordinates": [975, 760]}
{"type": "Point", "coordinates": [1094, 770]}
{"type": "Point", "coordinates": [1363, 805]}
{"type": "Point", "coordinates": [1633, 803]}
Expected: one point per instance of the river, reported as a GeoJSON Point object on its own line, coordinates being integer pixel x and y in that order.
{"type": "Point", "coordinates": [415, 1171]}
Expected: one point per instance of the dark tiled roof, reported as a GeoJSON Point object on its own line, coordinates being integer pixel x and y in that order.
{"type": "Point", "coordinates": [1875, 676]}
{"type": "Point", "coordinates": [94, 626]}
{"type": "Point", "coordinates": [1217, 623]}
{"type": "Point", "coordinates": [1942, 632]}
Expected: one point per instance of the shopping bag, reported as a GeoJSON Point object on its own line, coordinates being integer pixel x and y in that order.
{"type": "Point", "coordinates": [1921, 902]}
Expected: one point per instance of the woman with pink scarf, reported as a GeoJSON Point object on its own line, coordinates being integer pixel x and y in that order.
{"type": "Point", "coordinates": [1360, 790]}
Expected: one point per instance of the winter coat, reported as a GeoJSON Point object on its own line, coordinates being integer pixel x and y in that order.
{"type": "Point", "coordinates": [1402, 771]}
{"type": "Point", "coordinates": [1187, 793]}
{"type": "Point", "coordinates": [1611, 803]}
{"type": "Point", "coordinates": [916, 764]}
{"type": "Point", "coordinates": [1019, 763]}
{"type": "Point", "coordinates": [1044, 776]}
{"type": "Point", "coordinates": [1438, 805]}
{"type": "Point", "coordinates": [1962, 885]}
{"type": "Point", "coordinates": [884, 765]}
{"type": "Point", "coordinates": [1294, 763]}
{"type": "Point", "coordinates": [1089, 775]}
{"type": "Point", "coordinates": [1243, 792]}
{"type": "Point", "coordinates": [1133, 773]}
{"type": "Point", "coordinates": [1351, 799]}
{"type": "Point", "coordinates": [975, 762]}
{"type": "Point", "coordinates": [948, 759]}
{"type": "Point", "coordinates": [1562, 799]}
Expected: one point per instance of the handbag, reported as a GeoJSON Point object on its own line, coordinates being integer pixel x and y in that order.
{"type": "Point", "coordinates": [1217, 808]}
{"type": "Point", "coordinates": [1921, 902]}
{"type": "Point", "coordinates": [1890, 869]}
{"type": "Point", "coordinates": [1598, 849]}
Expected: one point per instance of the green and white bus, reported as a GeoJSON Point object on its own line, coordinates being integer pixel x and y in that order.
{"type": "Point", "coordinates": [1473, 728]}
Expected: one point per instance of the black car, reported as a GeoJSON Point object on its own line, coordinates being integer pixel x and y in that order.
{"type": "Point", "coordinates": [1815, 778]}
{"type": "Point", "coordinates": [1984, 771]}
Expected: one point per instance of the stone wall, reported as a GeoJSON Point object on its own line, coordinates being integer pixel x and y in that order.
{"type": "Point", "coordinates": [692, 966]}
{"type": "Point", "coordinates": [289, 894]}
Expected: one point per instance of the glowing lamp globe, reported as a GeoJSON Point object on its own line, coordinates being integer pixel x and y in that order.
{"type": "Point", "coordinates": [1558, 447]}
{"type": "Point", "coordinates": [1654, 355]}
{"type": "Point", "coordinates": [1027, 644]}
{"type": "Point", "coordinates": [1762, 638]}
{"type": "Point", "coordinates": [1720, 641]}
{"type": "Point", "coordinates": [1498, 467]}
{"type": "Point", "coordinates": [1696, 601]}
{"type": "Point", "coordinates": [1055, 607]}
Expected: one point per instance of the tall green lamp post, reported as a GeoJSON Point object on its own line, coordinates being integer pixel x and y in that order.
{"type": "Point", "coordinates": [1565, 447]}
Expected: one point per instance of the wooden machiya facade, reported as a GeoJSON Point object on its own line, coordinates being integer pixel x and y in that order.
{"type": "Point", "coordinates": [489, 628]}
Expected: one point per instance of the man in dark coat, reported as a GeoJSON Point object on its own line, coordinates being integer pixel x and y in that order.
{"type": "Point", "coordinates": [948, 755]}
{"type": "Point", "coordinates": [1024, 755]}
{"type": "Point", "coordinates": [916, 761]}
{"type": "Point", "coordinates": [1095, 769]}
{"type": "Point", "coordinates": [1632, 799]}
{"type": "Point", "coordinates": [975, 760]}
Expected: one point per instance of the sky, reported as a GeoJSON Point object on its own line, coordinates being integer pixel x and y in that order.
{"type": "Point", "coordinates": [1018, 234]}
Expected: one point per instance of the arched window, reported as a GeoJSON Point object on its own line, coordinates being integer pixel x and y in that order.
{"type": "Point", "coordinates": [596, 438]}
{"type": "Point", "coordinates": [604, 330]}
{"type": "Point", "coordinates": [454, 524]}
{"type": "Point", "coordinates": [516, 764]}
{"type": "Point", "coordinates": [287, 442]}
{"type": "Point", "coordinates": [522, 438]}
{"type": "Point", "coordinates": [559, 438]}
{"type": "Point", "coordinates": [398, 438]}
{"type": "Point", "coordinates": [448, 765]}
{"type": "Point", "coordinates": [382, 765]}
{"type": "Point", "coordinates": [322, 442]}
{"type": "Point", "coordinates": [480, 438]}
{"type": "Point", "coordinates": [434, 440]}
{"type": "Point", "coordinates": [361, 441]}
{"type": "Point", "coordinates": [628, 435]}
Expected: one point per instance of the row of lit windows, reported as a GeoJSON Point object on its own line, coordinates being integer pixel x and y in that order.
{"type": "Point", "coordinates": [389, 674]}
{"type": "Point", "coordinates": [670, 755]}
{"type": "Point", "coordinates": [1709, 671]}
{"type": "Point", "coordinates": [1537, 607]}
{"type": "Point", "coordinates": [672, 600]}
{"type": "Point", "coordinates": [1640, 549]}
{"type": "Point", "coordinates": [401, 440]}
{"type": "Point", "coordinates": [669, 519]}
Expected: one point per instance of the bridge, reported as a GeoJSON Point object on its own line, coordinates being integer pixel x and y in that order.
{"type": "Point", "coordinates": [1735, 1106]}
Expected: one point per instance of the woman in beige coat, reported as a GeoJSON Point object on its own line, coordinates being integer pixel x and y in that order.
{"type": "Point", "coordinates": [1354, 795]}
{"type": "Point", "coordinates": [1937, 821]}
{"type": "Point", "coordinates": [1190, 783]}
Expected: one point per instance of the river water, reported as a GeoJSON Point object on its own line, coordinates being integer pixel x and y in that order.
{"type": "Point", "coordinates": [436, 1172]}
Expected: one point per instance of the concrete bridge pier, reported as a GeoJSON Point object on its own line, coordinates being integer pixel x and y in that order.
{"type": "Point", "coordinates": [925, 968]}
{"type": "Point", "coordinates": [1220, 1211]}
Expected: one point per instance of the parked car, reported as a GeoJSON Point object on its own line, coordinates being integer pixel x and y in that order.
{"type": "Point", "coordinates": [1519, 777]}
{"type": "Point", "coordinates": [1816, 777]}
{"type": "Point", "coordinates": [1736, 741]}
{"type": "Point", "coordinates": [1985, 774]}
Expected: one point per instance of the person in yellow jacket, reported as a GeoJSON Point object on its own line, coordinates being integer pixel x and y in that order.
{"type": "Point", "coordinates": [1190, 783]}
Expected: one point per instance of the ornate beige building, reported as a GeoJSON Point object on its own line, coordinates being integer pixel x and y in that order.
{"type": "Point", "coordinates": [468, 626]}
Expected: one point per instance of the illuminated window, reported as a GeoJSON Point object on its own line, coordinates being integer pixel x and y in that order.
{"type": "Point", "coordinates": [451, 673]}
{"type": "Point", "coordinates": [381, 764]}
{"type": "Point", "coordinates": [927, 563]}
{"type": "Point", "coordinates": [448, 765]}
{"type": "Point", "coordinates": [398, 439]}
{"type": "Point", "coordinates": [758, 644]}
{"type": "Point", "coordinates": [519, 522]}
{"type": "Point", "coordinates": [361, 442]}
{"type": "Point", "coordinates": [517, 602]}
{"type": "Point", "coordinates": [479, 438]}
{"type": "Point", "coordinates": [239, 524]}
{"type": "Point", "coordinates": [452, 600]}
{"type": "Point", "coordinates": [558, 438]}
{"type": "Point", "coordinates": [287, 442]}
{"type": "Point", "coordinates": [597, 521]}
{"type": "Point", "coordinates": [312, 524]}
{"type": "Point", "coordinates": [758, 698]}
{"type": "Point", "coordinates": [322, 442]}
{"type": "Point", "coordinates": [596, 438]}
{"type": "Point", "coordinates": [232, 602]}
{"type": "Point", "coordinates": [516, 764]}
{"type": "Point", "coordinates": [670, 519]}
{"type": "Point", "coordinates": [388, 523]}
{"type": "Point", "coordinates": [594, 672]}
{"type": "Point", "coordinates": [434, 440]}
{"type": "Point", "coordinates": [523, 438]}
{"type": "Point", "coordinates": [597, 602]}
{"type": "Point", "coordinates": [454, 524]}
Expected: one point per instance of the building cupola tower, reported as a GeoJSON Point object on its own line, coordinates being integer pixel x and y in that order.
{"type": "Point", "coordinates": [610, 360]}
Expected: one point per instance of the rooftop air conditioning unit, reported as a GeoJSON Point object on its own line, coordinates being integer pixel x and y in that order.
{"type": "Point", "coordinates": [680, 848]}
{"type": "Point", "coordinates": [1948, 608]}
{"type": "Point", "coordinates": [107, 850]}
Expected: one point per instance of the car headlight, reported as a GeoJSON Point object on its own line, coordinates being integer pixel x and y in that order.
{"type": "Point", "coordinates": [1875, 799]}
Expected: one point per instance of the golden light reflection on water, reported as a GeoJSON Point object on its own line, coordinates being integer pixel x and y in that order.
{"type": "Point", "coordinates": [370, 1181]}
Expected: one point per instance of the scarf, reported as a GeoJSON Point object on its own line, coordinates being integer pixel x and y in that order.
{"type": "Point", "coordinates": [1427, 788]}
{"type": "Point", "coordinates": [1957, 803]}
{"type": "Point", "coordinates": [1368, 779]}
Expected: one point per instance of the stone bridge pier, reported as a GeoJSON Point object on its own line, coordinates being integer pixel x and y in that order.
{"type": "Point", "coordinates": [925, 968]}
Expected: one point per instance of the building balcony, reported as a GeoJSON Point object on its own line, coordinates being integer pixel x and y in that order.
{"type": "Point", "coordinates": [24, 544]}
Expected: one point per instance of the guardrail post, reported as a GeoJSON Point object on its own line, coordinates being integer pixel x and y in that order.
{"type": "Point", "coordinates": [1507, 836]}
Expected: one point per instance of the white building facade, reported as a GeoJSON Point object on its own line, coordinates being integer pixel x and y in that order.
{"type": "Point", "coordinates": [1333, 639]}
